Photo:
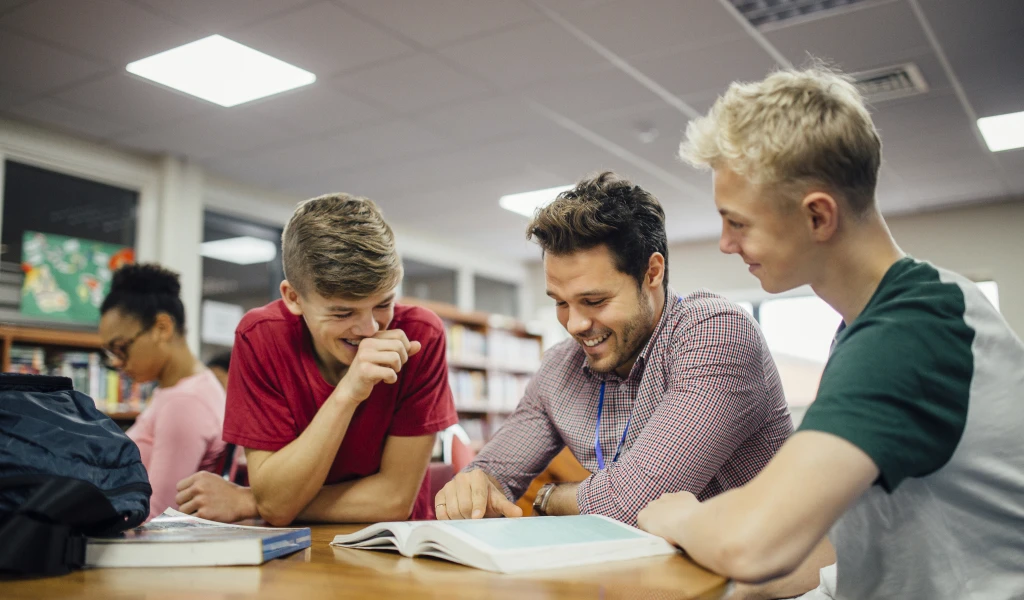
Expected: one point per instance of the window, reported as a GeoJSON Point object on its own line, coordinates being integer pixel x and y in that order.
{"type": "Point", "coordinates": [799, 332]}
{"type": "Point", "coordinates": [496, 297]}
{"type": "Point", "coordinates": [428, 282]}
{"type": "Point", "coordinates": [991, 291]}
{"type": "Point", "coordinates": [233, 285]}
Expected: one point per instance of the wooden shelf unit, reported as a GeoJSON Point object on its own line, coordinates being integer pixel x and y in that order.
{"type": "Point", "coordinates": [13, 334]}
{"type": "Point", "coordinates": [54, 339]}
{"type": "Point", "coordinates": [484, 324]}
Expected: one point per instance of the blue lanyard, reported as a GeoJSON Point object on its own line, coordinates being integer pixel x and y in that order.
{"type": "Point", "coordinates": [597, 432]}
{"type": "Point", "coordinates": [597, 428]}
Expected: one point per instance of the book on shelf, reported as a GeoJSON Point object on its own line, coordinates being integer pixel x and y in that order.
{"type": "Point", "coordinates": [112, 391]}
{"type": "Point", "coordinates": [512, 545]}
{"type": "Point", "coordinates": [466, 344]}
{"type": "Point", "coordinates": [508, 351]}
{"type": "Point", "coordinates": [175, 539]}
{"type": "Point", "coordinates": [505, 390]}
{"type": "Point", "coordinates": [474, 428]}
{"type": "Point", "coordinates": [469, 388]}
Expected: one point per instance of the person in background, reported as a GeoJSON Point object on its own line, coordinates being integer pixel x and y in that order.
{"type": "Point", "coordinates": [911, 457]}
{"type": "Point", "coordinates": [681, 391]}
{"type": "Point", "coordinates": [142, 330]}
{"type": "Point", "coordinates": [219, 365]}
{"type": "Point", "coordinates": [335, 391]}
{"type": "Point", "coordinates": [213, 496]}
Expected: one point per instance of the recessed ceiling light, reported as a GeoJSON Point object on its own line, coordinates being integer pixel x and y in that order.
{"type": "Point", "coordinates": [221, 71]}
{"type": "Point", "coordinates": [527, 203]}
{"type": "Point", "coordinates": [1003, 132]}
{"type": "Point", "coordinates": [243, 250]}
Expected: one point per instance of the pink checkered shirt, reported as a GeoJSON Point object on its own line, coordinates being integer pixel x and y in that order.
{"type": "Point", "coordinates": [707, 406]}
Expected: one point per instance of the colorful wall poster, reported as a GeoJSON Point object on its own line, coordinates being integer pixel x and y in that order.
{"type": "Point", "coordinates": [67, 278]}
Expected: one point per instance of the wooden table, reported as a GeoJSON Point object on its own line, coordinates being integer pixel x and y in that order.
{"type": "Point", "coordinates": [323, 571]}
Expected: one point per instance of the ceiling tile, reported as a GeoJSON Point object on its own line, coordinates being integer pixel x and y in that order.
{"type": "Point", "coordinates": [639, 27]}
{"type": "Point", "coordinates": [68, 118]}
{"type": "Point", "coordinates": [134, 101]}
{"type": "Point", "coordinates": [412, 84]}
{"type": "Point", "coordinates": [523, 55]}
{"type": "Point", "coordinates": [33, 68]}
{"type": "Point", "coordinates": [1012, 170]}
{"type": "Point", "coordinates": [323, 38]}
{"type": "Point", "coordinates": [698, 72]}
{"type": "Point", "coordinates": [6, 5]}
{"type": "Point", "coordinates": [111, 30]}
{"type": "Point", "coordinates": [566, 7]}
{"type": "Point", "coordinates": [989, 73]}
{"type": "Point", "coordinates": [901, 121]}
{"type": "Point", "coordinates": [939, 190]}
{"type": "Point", "coordinates": [221, 16]}
{"type": "Point", "coordinates": [316, 109]}
{"type": "Point", "coordinates": [323, 157]}
{"type": "Point", "coordinates": [580, 96]}
{"type": "Point", "coordinates": [961, 25]}
{"type": "Point", "coordinates": [12, 97]}
{"type": "Point", "coordinates": [441, 22]}
{"type": "Point", "coordinates": [220, 131]}
{"type": "Point", "coordinates": [870, 37]}
{"type": "Point", "coordinates": [487, 119]}
{"type": "Point", "coordinates": [664, 124]}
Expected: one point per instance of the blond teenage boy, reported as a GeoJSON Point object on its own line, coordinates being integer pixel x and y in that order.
{"type": "Point", "coordinates": [911, 458]}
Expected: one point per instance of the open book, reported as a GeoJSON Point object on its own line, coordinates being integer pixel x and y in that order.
{"type": "Point", "coordinates": [175, 539]}
{"type": "Point", "coordinates": [512, 545]}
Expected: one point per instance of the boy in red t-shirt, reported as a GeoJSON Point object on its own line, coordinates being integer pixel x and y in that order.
{"type": "Point", "coordinates": [335, 392]}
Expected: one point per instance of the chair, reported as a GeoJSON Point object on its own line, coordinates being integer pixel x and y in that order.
{"type": "Point", "coordinates": [456, 454]}
{"type": "Point", "coordinates": [455, 448]}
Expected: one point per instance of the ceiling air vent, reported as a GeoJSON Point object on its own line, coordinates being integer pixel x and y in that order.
{"type": "Point", "coordinates": [769, 14]}
{"type": "Point", "coordinates": [889, 83]}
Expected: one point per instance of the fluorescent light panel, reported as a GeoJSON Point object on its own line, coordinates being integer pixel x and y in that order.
{"type": "Point", "coordinates": [1003, 132]}
{"type": "Point", "coordinates": [527, 203]}
{"type": "Point", "coordinates": [221, 71]}
{"type": "Point", "coordinates": [243, 250]}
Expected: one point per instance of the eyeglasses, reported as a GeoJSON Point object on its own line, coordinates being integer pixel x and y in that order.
{"type": "Point", "coordinates": [119, 352]}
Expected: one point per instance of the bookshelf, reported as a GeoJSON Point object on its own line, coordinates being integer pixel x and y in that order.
{"type": "Point", "coordinates": [490, 361]}
{"type": "Point", "coordinates": [77, 355]}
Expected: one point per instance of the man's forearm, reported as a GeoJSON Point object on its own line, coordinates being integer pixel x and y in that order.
{"type": "Point", "coordinates": [366, 500]}
{"type": "Point", "coordinates": [290, 478]}
{"type": "Point", "coordinates": [562, 500]}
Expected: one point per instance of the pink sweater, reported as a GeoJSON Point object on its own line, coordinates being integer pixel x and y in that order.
{"type": "Point", "coordinates": [179, 433]}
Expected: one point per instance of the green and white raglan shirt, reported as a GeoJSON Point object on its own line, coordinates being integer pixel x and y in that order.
{"type": "Point", "coordinates": [929, 382]}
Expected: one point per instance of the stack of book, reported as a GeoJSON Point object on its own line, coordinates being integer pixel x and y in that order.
{"type": "Point", "coordinates": [469, 389]}
{"type": "Point", "coordinates": [465, 344]}
{"type": "Point", "coordinates": [112, 391]}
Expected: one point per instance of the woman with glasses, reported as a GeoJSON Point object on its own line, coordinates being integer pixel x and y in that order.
{"type": "Point", "coordinates": [142, 328]}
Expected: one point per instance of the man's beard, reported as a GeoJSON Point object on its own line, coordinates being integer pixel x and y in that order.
{"type": "Point", "coordinates": [635, 334]}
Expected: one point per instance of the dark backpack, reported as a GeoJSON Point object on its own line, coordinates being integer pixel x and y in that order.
{"type": "Point", "coordinates": [66, 471]}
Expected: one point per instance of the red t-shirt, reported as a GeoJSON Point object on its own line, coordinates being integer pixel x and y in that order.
{"type": "Point", "coordinates": [275, 390]}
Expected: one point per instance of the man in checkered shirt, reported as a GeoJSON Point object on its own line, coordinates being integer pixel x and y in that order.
{"type": "Point", "coordinates": [654, 393]}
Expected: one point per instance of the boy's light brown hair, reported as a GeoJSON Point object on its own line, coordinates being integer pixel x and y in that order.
{"type": "Point", "coordinates": [794, 130]}
{"type": "Point", "coordinates": [339, 246]}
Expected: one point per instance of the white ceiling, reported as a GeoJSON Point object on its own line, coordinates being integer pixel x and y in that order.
{"type": "Point", "coordinates": [435, 108]}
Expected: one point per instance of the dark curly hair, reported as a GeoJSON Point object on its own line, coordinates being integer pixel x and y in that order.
{"type": "Point", "coordinates": [144, 291]}
{"type": "Point", "coordinates": [604, 210]}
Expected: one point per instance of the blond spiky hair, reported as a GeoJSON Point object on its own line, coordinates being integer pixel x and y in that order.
{"type": "Point", "coordinates": [806, 127]}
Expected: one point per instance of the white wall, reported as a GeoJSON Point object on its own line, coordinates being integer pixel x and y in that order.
{"type": "Point", "coordinates": [173, 193]}
{"type": "Point", "coordinates": [980, 242]}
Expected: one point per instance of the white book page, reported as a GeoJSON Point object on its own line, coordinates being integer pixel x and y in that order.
{"type": "Point", "coordinates": [379, 536]}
